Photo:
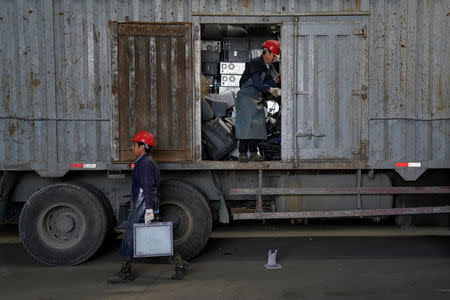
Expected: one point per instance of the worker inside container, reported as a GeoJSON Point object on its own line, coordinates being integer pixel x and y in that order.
{"type": "Point", "coordinates": [225, 51]}
{"type": "Point", "coordinates": [256, 82]}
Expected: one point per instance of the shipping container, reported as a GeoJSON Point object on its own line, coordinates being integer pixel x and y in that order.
{"type": "Point", "coordinates": [365, 115]}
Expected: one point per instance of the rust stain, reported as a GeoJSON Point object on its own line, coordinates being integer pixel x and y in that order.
{"type": "Point", "coordinates": [13, 127]}
{"type": "Point", "coordinates": [7, 104]}
{"type": "Point", "coordinates": [439, 93]}
{"type": "Point", "coordinates": [246, 4]}
{"type": "Point", "coordinates": [84, 106]}
{"type": "Point", "coordinates": [403, 46]}
{"type": "Point", "coordinates": [27, 49]}
{"type": "Point", "coordinates": [30, 11]}
{"type": "Point", "coordinates": [36, 82]}
{"type": "Point", "coordinates": [358, 4]}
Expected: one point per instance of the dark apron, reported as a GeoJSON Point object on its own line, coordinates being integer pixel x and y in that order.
{"type": "Point", "coordinates": [250, 116]}
{"type": "Point", "coordinates": [137, 216]}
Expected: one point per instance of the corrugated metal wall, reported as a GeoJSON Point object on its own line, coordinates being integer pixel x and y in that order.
{"type": "Point", "coordinates": [81, 82]}
{"type": "Point", "coordinates": [277, 6]}
{"type": "Point", "coordinates": [23, 91]}
{"type": "Point", "coordinates": [409, 113]}
{"type": "Point", "coordinates": [55, 71]}
{"type": "Point", "coordinates": [332, 69]}
{"type": "Point", "coordinates": [55, 74]}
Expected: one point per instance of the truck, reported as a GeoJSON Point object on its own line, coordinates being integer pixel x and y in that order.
{"type": "Point", "coordinates": [364, 115]}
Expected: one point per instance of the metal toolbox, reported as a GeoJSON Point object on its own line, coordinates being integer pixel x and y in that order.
{"type": "Point", "coordinates": [232, 68]}
{"type": "Point", "coordinates": [153, 240]}
{"type": "Point", "coordinates": [230, 80]}
{"type": "Point", "coordinates": [211, 45]}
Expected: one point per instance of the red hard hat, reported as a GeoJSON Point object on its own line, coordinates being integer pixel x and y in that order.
{"type": "Point", "coordinates": [273, 46]}
{"type": "Point", "coordinates": [144, 137]}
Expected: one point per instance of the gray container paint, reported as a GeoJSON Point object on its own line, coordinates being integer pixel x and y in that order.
{"type": "Point", "coordinates": [57, 75]}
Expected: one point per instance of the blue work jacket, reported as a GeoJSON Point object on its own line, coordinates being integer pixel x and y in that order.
{"type": "Point", "coordinates": [146, 177]}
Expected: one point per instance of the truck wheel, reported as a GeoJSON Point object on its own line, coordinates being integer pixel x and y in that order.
{"type": "Point", "coordinates": [110, 234]}
{"type": "Point", "coordinates": [190, 215]}
{"type": "Point", "coordinates": [63, 224]}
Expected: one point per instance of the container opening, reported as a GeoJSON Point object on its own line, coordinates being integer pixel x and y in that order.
{"type": "Point", "coordinates": [225, 50]}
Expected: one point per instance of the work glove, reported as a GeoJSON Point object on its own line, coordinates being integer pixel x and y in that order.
{"type": "Point", "coordinates": [149, 216]}
{"type": "Point", "coordinates": [275, 91]}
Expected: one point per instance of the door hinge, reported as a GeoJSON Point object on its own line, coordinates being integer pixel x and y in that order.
{"type": "Point", "coordinates": [361, 31]}
{"type": "Point", "coordinates": [196, 31]}
{"type": "Point", "coordinates": [361, 92]}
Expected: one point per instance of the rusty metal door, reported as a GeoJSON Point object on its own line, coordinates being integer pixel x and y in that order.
{"type": "Point", "coordinates": [155, 88]}
{"type": "Point", "coordinates": [332, 72]}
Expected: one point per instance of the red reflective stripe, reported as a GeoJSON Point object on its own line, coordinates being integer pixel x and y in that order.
{"type": "Point", "coordinates": [77, 165]}
{"type": "Point", "coordinates": [402, 164]}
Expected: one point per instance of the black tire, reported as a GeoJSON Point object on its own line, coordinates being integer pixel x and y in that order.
{"type": "Point", "coordinates": [63, 224]}
{"type": "Point", "coordinates": [112, 222]}
{"type": "Point", "coordinates": [190, 215]}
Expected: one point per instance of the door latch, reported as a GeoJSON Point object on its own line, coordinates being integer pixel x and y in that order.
{"type": "Point", "coordinates": [361, 31]}
{"type": "Point", "coordinates": [361, 92]}
{"type": "Point", "coordinates": [309, 134]}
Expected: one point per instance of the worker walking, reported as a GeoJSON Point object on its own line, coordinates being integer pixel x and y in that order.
{"type": "Point", "coordinates": [256, 82]}
{"type": "Point", "coordinates": [145, 202]}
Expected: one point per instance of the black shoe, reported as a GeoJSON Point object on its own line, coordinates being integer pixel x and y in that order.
{"type": "Point", "coordinates": [255, 157]}
{"type": "Point", "coordinates": [121, 277]}
{"type": "Point", "coordinates": [243, 157]}
{"type": "Point", "coordinates": [124, 275]}
{"type": "Point", "coordinates": [180, 271]}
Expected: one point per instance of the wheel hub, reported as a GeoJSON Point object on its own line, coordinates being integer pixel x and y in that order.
{"type": "Point", "coordinates": [62, 226]}
{"type": "Point", "coordinates": [177, 215]}
{"type": "Point", "coordinates": [175, 221]}
{"type": "Point", "coordinates": [65, 223]}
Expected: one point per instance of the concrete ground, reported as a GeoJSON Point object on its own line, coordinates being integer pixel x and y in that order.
{"type": "Point", "coordinates": [318, 262]}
